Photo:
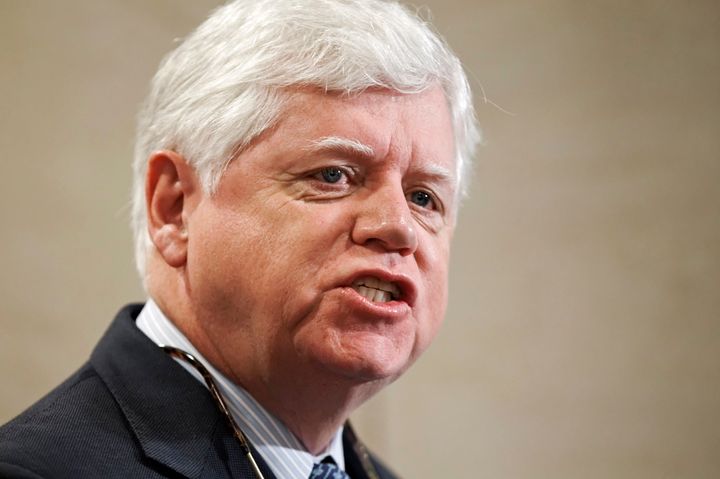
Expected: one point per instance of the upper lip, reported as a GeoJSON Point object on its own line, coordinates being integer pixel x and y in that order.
{"type": "Point", "coordinates": [408, 290]}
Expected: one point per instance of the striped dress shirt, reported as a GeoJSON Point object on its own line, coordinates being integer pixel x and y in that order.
{"type": "Point", "coordinates": [280, 448]}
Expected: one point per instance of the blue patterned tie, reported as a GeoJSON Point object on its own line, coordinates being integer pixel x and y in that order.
{"type": "Point", "coordinates": [327, 470]}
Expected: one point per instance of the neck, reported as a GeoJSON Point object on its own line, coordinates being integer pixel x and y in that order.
{"type": "Point", "coordinates": [312, 406]}
{"type": "Point", "coordinates": [312, 410]}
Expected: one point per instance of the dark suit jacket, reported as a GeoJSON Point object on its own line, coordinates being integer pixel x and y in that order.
{"type": "Point", "coordinates": [130, 411]}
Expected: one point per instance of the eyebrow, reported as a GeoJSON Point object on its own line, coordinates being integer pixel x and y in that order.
{"type": "Point", "coordinates": [352, 147]}
{"type": "Point", "coordinates": [347, 146]}
{"type": "Point", "coordinates": [438, 173]}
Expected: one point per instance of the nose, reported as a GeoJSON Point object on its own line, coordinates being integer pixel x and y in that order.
{"type": "Point", "coordinates": [385, 219]}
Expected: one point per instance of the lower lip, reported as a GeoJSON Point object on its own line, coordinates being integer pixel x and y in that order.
{"type": "Point", "coordinates": [390, 311]}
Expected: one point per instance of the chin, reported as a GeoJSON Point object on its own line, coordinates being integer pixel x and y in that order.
{"type": "Point", "coordinates": [361, 356]}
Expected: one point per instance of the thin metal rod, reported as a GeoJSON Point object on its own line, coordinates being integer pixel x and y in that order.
{"type": "Point", "coordinates": [219, 401]}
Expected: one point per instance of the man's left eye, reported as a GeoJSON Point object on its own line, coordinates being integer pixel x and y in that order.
{"type": "Point", "coordinates": [422, 199]}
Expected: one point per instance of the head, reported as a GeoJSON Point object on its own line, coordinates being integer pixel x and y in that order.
{"type": "Point", "coordinates": [319, 147]}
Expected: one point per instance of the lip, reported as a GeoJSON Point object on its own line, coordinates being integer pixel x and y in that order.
{"type": "Point", "coordinates": [408, 290]}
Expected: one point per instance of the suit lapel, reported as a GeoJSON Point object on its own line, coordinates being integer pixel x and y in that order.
{"type": "Point", "coordinates": [171, 414]}
{"type": "Point", "coordinates": [359, 461]}
{"type": "Point", "coordinates": [353, 454]}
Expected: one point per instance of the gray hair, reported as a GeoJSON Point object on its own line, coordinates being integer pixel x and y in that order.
{"type": "Point", "coordinates": [223, 85]}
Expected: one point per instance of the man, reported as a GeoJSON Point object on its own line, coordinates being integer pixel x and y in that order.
{"type": "Point", "coordinates": [297, 175]}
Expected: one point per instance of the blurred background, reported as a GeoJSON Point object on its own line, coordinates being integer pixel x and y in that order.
{"type": "Point", "coordinates": [583, 335]}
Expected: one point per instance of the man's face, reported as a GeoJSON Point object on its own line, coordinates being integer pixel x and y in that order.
{"type": "Point", "coordinates": [324, 251]}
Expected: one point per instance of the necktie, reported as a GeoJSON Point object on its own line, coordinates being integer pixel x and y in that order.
{"type": "Point", "coordinates": [327, 470]}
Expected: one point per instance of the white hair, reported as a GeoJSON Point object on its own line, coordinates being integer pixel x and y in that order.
{"type": "Point", "coordinates": [226, 82]}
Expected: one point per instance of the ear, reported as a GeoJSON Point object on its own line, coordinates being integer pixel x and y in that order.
{"type": "Point", "coordinates": [171, 187]}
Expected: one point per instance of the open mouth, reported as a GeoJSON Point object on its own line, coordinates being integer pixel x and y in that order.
{"type": "Point", "coordinates": [376, 290]}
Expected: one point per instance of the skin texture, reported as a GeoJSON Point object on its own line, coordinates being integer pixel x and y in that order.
{"type": "Point", "coordinates": [259, 274]}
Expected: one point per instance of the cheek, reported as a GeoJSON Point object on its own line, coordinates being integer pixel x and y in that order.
{"type": "Point", "coordinates": [261, 259]}
{"type": "Point", "coordinates": [316, 237]}
{"type": "Point", "coordinates": [219, 256]}
{"type": "Point", "coordinates": [432, 317]}
{"type": "Point", "coordinates": [433, 265]}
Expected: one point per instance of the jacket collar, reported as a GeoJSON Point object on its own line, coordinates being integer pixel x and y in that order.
{"type": "Point", "coordinates": [171, 414]}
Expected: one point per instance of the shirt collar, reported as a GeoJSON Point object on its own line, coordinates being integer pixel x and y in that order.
{"type": "Point", "coordinates": [280, 448]}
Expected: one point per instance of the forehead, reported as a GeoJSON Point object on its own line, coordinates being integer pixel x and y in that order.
{"type": "Point", "coordinates": [387, 125]}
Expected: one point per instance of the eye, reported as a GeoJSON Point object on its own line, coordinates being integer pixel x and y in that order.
{"type": "Point", "coordinates": [331, 181]}
{"type": "Point", "coordinates": [422, 199]}
{"type": "Point", "coordinates": [330, 174]}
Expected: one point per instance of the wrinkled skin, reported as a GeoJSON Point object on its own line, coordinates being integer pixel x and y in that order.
{"type": "Point", "coordinates": [271, 256]}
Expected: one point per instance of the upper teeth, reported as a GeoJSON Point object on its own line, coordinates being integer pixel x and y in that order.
{"type": "Point", "coordinates": [376, 289]}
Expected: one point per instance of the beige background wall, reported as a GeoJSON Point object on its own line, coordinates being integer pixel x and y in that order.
{"type": "Point", "coordinates": [583, 338]}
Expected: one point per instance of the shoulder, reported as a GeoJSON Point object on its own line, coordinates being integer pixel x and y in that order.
{"type": "Point", "coordinates": [62, 430]}
{"type": "Point", "coordinates": [60, 410]}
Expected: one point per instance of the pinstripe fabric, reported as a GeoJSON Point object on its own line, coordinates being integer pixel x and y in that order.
{"type": "Point", "coordinates": [282, 451]}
